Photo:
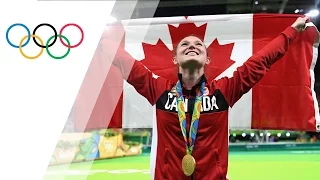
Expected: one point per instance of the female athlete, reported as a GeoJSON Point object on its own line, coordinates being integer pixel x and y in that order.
{"type": "Point", "coordinates": [192, 114]}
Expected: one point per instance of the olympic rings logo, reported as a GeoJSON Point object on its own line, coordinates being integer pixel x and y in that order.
{"type": "Point", "coordinates": [48, 44]}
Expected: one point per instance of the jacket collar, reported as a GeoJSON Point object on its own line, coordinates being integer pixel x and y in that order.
{"type": "Point", "coordinates": [203, 79]}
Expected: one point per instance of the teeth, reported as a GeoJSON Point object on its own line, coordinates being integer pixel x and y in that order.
{"type": "Point", "coordinates": [192, 52]}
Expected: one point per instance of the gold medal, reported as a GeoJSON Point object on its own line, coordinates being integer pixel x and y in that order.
{"type": "Point", "coordinates": [188, 165]}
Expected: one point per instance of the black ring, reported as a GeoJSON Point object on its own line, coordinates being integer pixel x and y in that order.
{"type": "Point", "coordinates": [55, 35]}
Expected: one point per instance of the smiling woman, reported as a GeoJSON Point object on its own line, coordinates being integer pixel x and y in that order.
{"type": "Point", "coordinates": [191, 55]}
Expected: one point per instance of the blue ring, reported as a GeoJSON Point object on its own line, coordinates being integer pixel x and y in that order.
{"type": "Point", "coordinates": [18, 24]}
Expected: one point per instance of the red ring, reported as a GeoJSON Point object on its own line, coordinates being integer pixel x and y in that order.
{"type": "Point", "coordinates": [82, 35]}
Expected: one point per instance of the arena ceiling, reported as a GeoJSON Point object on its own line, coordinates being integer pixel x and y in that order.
{"type": "Point", "coordinates": [167, 8]}
{"type": "Point", "coordinates": [244, 6]}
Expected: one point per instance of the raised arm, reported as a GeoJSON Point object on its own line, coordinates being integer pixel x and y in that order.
{"type": "Point", "coordinates": [145, 82]}
{"type": "Point", "coordinates": [134, 72]}
{"type": "Point", "coordinates": [252, 71]}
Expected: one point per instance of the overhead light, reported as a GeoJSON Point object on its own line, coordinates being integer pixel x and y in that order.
{"type": "Point", "coordinates": [256, 2]}
{"type": "Point", "coordinates": [264, 8]}
{"type": "Point", "coordinates": [313, 13]}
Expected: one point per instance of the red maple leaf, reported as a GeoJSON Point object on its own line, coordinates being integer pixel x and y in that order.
{"type": "Point", "coordinates": [158, 58]}
{"type": "Point", "coordinates": [178, 33]}
{"type": "Point", "coordinates": [220, 59]}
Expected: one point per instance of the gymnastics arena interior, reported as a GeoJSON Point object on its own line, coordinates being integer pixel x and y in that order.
{"type": "Point", "coordinates": [253, 154]}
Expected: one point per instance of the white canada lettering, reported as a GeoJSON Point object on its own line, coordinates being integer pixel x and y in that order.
{"type": "Point", "coordinates": [174, 104]}
{"type": "Point", "coordinates": [185, 105]}
{"type": "Point", "coordinates": [214, 103]}
{"type": "Point", "coordinates": [206, 106]}
{"type": "Point", "coordinates": [167, 106]}
{"type": "Point", "coordinates": [208, 103]}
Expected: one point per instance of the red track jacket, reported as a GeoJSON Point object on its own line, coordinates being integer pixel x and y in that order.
{"type": "Point", "coordinates": [211, 145]}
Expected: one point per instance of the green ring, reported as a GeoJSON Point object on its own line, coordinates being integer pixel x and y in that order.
{"type": "Point", "coordinates": [57, 57]}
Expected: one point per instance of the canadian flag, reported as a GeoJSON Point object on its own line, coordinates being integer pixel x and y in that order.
{"type": "Point", "coordinates": [283, 99]}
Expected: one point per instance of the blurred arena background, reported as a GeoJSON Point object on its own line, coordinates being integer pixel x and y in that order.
{"type": "Point", "coordinates": [254, 154]}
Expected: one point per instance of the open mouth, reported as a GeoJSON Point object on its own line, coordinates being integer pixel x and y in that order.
{"type": "Point", "coordinates": [192, 53]}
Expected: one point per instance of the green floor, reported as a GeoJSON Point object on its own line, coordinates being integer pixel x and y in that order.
{"type": "Point", "coordinates": [283, 165]}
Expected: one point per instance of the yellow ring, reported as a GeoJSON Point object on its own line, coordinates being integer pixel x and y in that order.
{"type": "Point", "coordinates": [31, 57]}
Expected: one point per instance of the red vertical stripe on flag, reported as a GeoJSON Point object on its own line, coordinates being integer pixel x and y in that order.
{"type": "Point", "coordinates": [107, 111]}
{"type": "Point", "coordinates": [99, 105]}
{"type": "Point", "coordinates": [116, 120]}
{"type": "Point", "coordinates": [282, 99]}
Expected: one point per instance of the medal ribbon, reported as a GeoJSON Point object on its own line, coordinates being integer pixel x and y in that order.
{"type": "Point", "coordinates": [195, 116]}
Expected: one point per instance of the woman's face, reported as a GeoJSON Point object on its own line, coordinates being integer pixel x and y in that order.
{"type": "Point", "coordinates": [191, 51]}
